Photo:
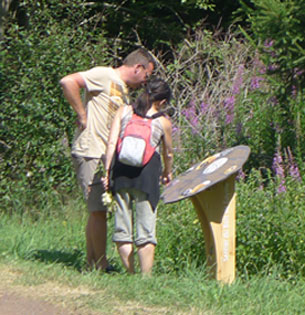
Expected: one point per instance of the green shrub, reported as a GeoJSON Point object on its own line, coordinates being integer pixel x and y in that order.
{"type": "Point", "coordinates": [269, 231]}
{"type": "Point", "coordinates": [270, 227]}
{"type": "Point", "coordinates": [180, 239]}
{"type": "Point", "coordinates": [222, 99]}
{"type": "Point", "coordinates": [37, 124]}
{"type": "Point", "coordinates": [276, 30]}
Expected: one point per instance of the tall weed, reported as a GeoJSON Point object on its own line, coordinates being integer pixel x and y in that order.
{"type": "Point", "coordinates": [270, 227]}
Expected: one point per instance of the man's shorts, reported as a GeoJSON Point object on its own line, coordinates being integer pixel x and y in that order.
{"type": "Point", "coordinates": [90, 181]}
{"type": "Point", "coordinates": [145, 218]}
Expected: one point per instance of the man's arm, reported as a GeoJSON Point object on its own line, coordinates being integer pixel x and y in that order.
{"type": "Point", "coordinates": [71, 85]}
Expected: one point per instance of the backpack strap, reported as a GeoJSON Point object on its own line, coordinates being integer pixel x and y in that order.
{"type": "Point", "coordinates": [156, 115]}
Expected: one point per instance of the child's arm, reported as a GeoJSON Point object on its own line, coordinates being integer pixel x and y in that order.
{"type": "Point", "coordinates": [167, 151]}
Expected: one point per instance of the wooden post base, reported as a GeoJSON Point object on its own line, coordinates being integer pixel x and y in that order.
{"type": "Point", "coordinates": [210, 185]}
{"type": "Point", "coordinates": [215, 208]}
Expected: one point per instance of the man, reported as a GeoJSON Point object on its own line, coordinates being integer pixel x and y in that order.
{"type": "Point", "coordinates": [106, 89]}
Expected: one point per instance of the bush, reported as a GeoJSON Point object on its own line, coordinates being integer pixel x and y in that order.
{"type": "Point", "coordinates": [180, 239]}
{"type": "Point", "coordinates": [269, 231]}
{"type": "Point", "coordinates": [222, 99]}
{"type": "Point", "coordinates": [270, 227]}
{"type": "Point", "coordinates": [276, 30]}
{"type": "Point", "coordinates": [37, 124]}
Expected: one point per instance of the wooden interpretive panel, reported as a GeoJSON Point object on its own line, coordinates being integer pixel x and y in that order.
{"type": "Point", "coordinates": [210, 185]}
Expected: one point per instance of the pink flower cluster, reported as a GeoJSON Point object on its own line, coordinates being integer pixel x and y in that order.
{"type": "Point", "coordinates": [191, 115]}
{"type": "Point", "coordinates": [281, 171]}
{"type": "Point", "coordinates": [278, 169]}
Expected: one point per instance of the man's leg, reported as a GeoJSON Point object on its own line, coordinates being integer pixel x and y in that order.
{"type": "Point", "coordinates": [126, 253]}
{"type": "Point", "coordinates": [90, 255]}
{"type": "Point", "coordinates": [96, 234]}
{"type": "Point", "coordinates": [96, 230]}
{"type": "Point", "coordinates": [146, 257]}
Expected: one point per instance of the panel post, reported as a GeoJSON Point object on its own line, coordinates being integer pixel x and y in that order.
{"type": "Point", "coordinates": [215, 208]}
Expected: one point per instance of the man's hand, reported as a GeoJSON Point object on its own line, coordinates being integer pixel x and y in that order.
{"type": "Point", "coordinates": [82, 122]}
{"type": "Point", "coordinates": [71, 85]}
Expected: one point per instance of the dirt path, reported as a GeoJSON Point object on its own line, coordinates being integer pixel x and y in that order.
{"type": "Point", "coordinates": [13, 304]}
{"type": "Point", "coordinates": [43, 299]}
{"type": "Point", "coordinates": [50, 298]}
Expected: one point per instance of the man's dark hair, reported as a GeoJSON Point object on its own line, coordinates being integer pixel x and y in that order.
{"type": "Point", "coordinates": [139, 56]}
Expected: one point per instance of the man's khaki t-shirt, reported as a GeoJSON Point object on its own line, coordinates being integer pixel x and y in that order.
{"type": "Point", "coordinates": [105, 92]}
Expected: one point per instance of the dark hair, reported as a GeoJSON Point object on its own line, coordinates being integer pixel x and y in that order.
{"type": "Point", "coordinates": [139, 56]}
{"type": "Point", "coordinates": [155, 90]}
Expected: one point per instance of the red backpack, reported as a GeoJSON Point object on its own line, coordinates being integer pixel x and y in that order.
{"type": "Point", "coordinates": [134, 148]}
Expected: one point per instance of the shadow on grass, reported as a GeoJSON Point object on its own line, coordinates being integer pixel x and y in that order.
{"type": "Point", "coordinates": [73, 259]}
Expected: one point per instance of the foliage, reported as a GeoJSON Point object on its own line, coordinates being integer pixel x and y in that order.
{"type": "Point", "coordinates": [221, 98]}
{"type": "Point", "coordinates": [276, 29]}
{"type": "Point", "coordinates": [226, 92]}
{"type": "Point", "coordinates": [270, 233]}
{"type": "Point", "coordinates": [224, 96]}
{"type": "Point", "coordinates": [36, 123]}
{"type": "Point", "coordinates": [154, 24]}
{"type": "Point", "coordinates": [180, 240]}
{"type": "Point", "coordinates": [279, 25]}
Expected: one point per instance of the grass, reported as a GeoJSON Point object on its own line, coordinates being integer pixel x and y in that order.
{"type": "Point", "coordinates": [48, 255]}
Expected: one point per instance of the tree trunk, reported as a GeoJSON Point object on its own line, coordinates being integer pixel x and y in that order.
{"type": "Point", "coordinates": [4, 8]}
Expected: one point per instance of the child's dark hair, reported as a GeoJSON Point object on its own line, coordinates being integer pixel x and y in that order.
{"type": "Point", "coordinates": [156, 89]}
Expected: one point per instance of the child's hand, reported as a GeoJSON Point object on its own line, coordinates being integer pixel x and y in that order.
{"type": "Point", "coordinates": [166, 178]}
{"type": "Point", "coordinates": [105, 181]}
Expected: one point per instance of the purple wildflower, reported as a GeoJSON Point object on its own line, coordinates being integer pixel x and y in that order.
{"type": "Point", "coordinates": [175, 129]}
{"type": "Point", "coordinates": [257, 63]}
{"type": "Point", "coordinates": [294, 91]}
{"type": "Point", "coordinates": [189, 112]}
{"type": "Point", "coordinates": [238, 80]}
{"type": "Point", "coordinates": [277, 165]}
{"type": "Point", "coordinates": [272, 67]}
{"type": "Point", "coordinates": [255, 82]}
{"type": "Point", "coordinates": [282, 187]}
{"type": "Point", "coordinates": [298, 72]}
{"type": "Point", "coordinates": [240, 175]}
{"type": "Point", "coordinates": [293, 167]}
{"type": "Point", "coordinates": [268, 43]}
{"type": "Point", "coordinates": [262, 69]}
{"type": "Point", "coordinates": [294, 172]}
{"type": "Point", "coordinates": [191, 115]}
{"type": "Point", "coordinates": [279, 171]}
{"type": "Point", "coordinates": [229, 118]}
{"type": "Point", "coordinates": [204, 108]}
{"type": "Point", "coordinates": [239, 128]}
{"type": "Point", "coordinates": [229, 103]}
{"type": "Point", "coordinates": [273, 101]}
{"type": "Point", "coordinates": [194, 122]}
